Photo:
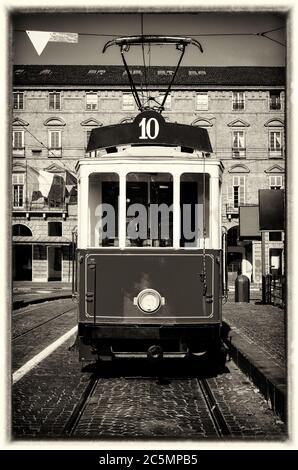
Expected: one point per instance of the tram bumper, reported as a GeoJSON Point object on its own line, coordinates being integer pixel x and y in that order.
{"type": "Point", "coordinates": [106, 342]}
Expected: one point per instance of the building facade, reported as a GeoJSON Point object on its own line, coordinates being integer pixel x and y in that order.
{"type": "Point", "coordinates": [56, 107]}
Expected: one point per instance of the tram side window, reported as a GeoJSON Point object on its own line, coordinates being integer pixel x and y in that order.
{"type": "Point", "coordinates": [103, 209]}
{"type": "Point", "coordinates": [194, 206]}
{"type": "Point", "coordinates": [149, 210]}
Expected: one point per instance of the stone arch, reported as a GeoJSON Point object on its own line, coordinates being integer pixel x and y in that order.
{"type": "Point", "coordinates": [21, 230]}
{"type": "Point", "coordinates": [202, 122]}
{"type": "Point", "coordinates": [233, 235]}
{"type": "Point", "coordinates": [54, 121]}
{"type": "Point", "coordinates": [239, 168]}
{"type": "Point", "coordinates": [126, 120]}
{"type": "Point", "coordinates": [274, 122]}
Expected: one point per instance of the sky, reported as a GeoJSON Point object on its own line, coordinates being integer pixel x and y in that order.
{"type": "Point", "coordinates": [218, 50]}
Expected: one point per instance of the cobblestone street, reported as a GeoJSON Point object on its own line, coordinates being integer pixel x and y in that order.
{"type": "Point", "coordinates": [128, 400]}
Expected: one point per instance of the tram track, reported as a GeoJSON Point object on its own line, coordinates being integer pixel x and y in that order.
{"type": "Point", "coordinates": [206, 397]}
{"type": "Point", "coordinates": [24, 333]}
{"type": "Point", "coordinates": [73, 421]}
{"type": "Point", "coordinates": [215, 412]}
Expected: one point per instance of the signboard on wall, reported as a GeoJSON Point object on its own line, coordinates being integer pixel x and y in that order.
{"type": "Point", "coordinates": [249, 223]}
{"type": "Point", "coordinates": [271, 209]}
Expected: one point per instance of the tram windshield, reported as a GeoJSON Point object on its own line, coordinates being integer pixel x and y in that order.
{"type": "Point", "coordinates": [149, 209]}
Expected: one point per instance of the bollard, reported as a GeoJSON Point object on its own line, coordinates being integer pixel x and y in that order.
{"type": "Point", "coordinates": [242, 289]}
{"type": "Point", "coordinates": [266, 289]}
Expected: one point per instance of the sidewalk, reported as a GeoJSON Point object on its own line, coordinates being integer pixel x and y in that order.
{"type": "Point", "coordinates": [26, 292]}
{"type": "Point", "coordinates": [255, 334]}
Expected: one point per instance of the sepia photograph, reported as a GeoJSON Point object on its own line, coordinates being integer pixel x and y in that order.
{"type": "Point", "coordinates": [148, 191]}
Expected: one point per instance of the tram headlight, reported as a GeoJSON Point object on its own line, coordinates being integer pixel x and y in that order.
{"type": "Point", "coordinates": [149, 300]}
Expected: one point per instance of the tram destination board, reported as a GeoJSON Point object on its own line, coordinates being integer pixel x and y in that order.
{"type": "Point", "coordinates": [149, 127]}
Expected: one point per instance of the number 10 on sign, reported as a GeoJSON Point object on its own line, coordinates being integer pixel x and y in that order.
{"type": "Point", "coordinates": [149, 129]}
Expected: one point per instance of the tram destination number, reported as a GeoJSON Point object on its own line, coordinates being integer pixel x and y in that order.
{"type": "Point", "coordinates": [129, 461]}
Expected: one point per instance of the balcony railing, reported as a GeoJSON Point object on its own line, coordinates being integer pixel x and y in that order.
{"type": "Point", "coordinates": [231, 210]}
{"type": "Point", "coordinates": [239, 104]}
{"type": "Point", "coordinates": [42, 206]}
{"type": "Point", "coordinates": [18, 151]}
{"type": "Point", "coordinates": [276, 153]}
{"type": "Point", "coordinates": [238, 152]}
{"type": "Point", "coordinates": [55, 152]}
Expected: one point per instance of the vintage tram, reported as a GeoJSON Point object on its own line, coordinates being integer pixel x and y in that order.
{"type": "Point", "coordinates": [150, 264]}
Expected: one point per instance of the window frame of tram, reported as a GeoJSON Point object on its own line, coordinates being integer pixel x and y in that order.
{"type": "Point", "coordinates": [104, 209]}
{"type": "Point", "coordinates": [192, 204]}
{"type": "Point", "coordinates": [149, 218]}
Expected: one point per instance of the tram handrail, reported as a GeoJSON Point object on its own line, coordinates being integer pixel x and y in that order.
{"type": "Point", "coordinates": [74, 280]}
{"type": "Point", "coordinates": [225, 263]}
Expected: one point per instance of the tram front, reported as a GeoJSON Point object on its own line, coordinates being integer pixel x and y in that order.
{"type": "Point", "coordinates": [149, 245]}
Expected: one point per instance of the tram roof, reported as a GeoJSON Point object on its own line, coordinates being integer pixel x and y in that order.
{"type": "Point", "coordinates": [137, 155]}
{"type": "Point", "coordinates": [115, 75]}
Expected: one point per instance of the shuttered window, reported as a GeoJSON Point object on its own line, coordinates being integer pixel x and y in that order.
{"type": "Point", "coordinates": [54, 101]}
{"type": "Point", "coordinates": [236, 192]}
{"type": "Point", "coordinates": [275, 182]}
{"type": "Point", "coordinates": [18, 139]}
{"type": "Point", "coordinates": [274, 100]}
{"type": "Point", "coordinates": [91, 101]}
{"type": "Point", "coordinates": [18, 100]}
{"type": "Point", "coordinates": [238, 140]}
{"type": "Point", "coordinates": [238, 100]}
{"type": "Point", "coordinates": [18, 180]}
{"type": "Point", "coordinates": [55, 139]}
{"type": "Point", "coordinates": [238, 144]}
{"type": "Point", "coordinates": [128, 103]}
{"type": "Point", "coordinates": [202, 102]}
{"type": "Point", "coordinates": [275, 140]}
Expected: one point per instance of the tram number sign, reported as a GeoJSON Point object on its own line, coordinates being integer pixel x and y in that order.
{"type": "Point", "coordinates": [149, 128]}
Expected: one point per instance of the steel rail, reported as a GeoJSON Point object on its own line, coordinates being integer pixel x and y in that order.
{"type": "Point", "coordinates": [41, 324]}
{"type": "Point", "coordinates": [75, 417]}
{"type": "Point", "coordinates": [216, 415]}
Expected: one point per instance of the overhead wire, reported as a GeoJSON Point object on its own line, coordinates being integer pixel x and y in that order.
{"type": "Point", "coordinates": [143, 53]}
{"type": "Point", "coordinates": [182, 34]}
{"type": "Point", "coordinates": [259, 34]}
{"type": "Point", "coordinates": [39, 141]}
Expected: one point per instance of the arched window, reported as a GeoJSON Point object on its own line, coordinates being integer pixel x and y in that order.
{"type": "Point", "coordinates": [20, 230]}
